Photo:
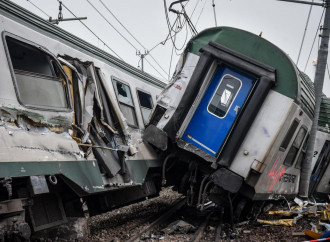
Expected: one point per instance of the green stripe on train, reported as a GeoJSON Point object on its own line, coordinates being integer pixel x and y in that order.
{"type": "Point", "coordinates": [85, 174]}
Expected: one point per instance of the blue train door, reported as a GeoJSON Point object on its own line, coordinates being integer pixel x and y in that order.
{"type": "Point", "coordinates": [218, 109]}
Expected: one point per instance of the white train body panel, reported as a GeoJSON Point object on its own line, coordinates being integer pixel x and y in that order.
{"type": "Point", "coordinates": [263, 133]}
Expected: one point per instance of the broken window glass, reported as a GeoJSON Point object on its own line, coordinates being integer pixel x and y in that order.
{"type": "Point", "coordinates": [146, 105]}
{"type": "Point", "coordinates": [224, 96]}
{"type": "Point", "coordinates": [126, 103]}
{"type": "Point", "coordinates": [38, 79]}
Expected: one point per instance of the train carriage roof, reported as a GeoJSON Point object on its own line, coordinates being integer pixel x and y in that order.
{"type": "Point", "coordinates": [27, 18]}
{"type": "Point", "coordinates": [290, 81]}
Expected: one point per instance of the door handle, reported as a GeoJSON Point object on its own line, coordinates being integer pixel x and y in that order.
{"type": "Point", "coordinates": [236, 109]}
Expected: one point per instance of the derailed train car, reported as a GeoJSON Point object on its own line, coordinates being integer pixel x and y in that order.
{"type": "Point", "coordinates": [234, 120]}
{"type": "Point", "coordinates": [71, 121]}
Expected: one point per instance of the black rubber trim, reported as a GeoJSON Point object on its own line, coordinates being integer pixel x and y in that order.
{"type": "Point", "coordinates": [189, 96]}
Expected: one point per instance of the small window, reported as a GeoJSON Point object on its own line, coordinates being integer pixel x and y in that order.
{"type": "Point", "coordinates": [289, 134]}
{"type": "Point", "coordinates": [290, 157]}
{"type": "Point", "coordinates": [224, 96]}
{"type": "Point", "coordinates": [302, 154]}
{"type": "Point", "coordinates": [126, 103]}
{"type": "Point", "coordinates": [146, 105]}
{"type": "Point", "coordinates": [38, 79]}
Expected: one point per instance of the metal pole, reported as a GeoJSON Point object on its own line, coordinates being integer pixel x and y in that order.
{"type": "Point", "coordinates": [306, 169]}
{"type": "Point", "coordinates": [142, 56]}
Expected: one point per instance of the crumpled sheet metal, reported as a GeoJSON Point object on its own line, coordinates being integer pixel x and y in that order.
{"type": "Point", "coordinates": [18, 145]}
{"type": "Point", "coordinates": [173, 93]}
{"type": "Point", "coordinates": [47, 118]}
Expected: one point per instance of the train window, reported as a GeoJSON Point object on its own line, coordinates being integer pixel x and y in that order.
{"type": "Point", "coordinates": [289, 134]}
{"type": "Point", "coordinates": [38, 79]}
{"type": "Point", "coordinates": [290, 157]}
{"type": "Point", "coordinates": [302, 154]}
{"type": "Point", "coordinates": [126, 103]}
{"type": "Point", "coordinates": [146, 105]}
{"type": "Point", "coordinates": [224, 96]}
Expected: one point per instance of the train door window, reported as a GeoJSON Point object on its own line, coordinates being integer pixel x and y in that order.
{"type": "Point", "coordinates": [224, 96]}
{"type": "Point", "coordinates": [290, 157]}
{"type": "Point", "coordinates": [126, 103]}
{"type": "Point", "coordinates": [289, 135]}
{"type": "Point", "coordinates": [38, 79]}
{"type": "Point", "coordinates": [302, 154]}
{"type": "Point", "coordinates": [146, 105]}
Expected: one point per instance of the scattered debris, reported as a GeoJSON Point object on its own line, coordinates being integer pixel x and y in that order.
{"type": "Point", "coordinates": [179, 226]}
{"type": "Point", "coordinates": [298, 234]}
{"type": "Point", "coordinates": [284, 222]}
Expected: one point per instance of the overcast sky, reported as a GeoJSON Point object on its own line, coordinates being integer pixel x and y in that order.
{"type": "Point", "coordinates": [282, 23]}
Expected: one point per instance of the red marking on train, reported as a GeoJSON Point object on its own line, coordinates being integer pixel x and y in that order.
{"type": "Point", "coordinates": [178, 87]}
{"type": "Point", "coordinates": [275, 174]}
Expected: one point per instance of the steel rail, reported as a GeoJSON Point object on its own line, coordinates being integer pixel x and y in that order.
{"type": "Point", "coordinates": [199, 233]}
{"type": "Point", "coordinates": [158, 221]}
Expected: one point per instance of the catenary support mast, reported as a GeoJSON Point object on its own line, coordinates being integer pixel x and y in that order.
{"type": "Point", "coordinates": [318, 85]}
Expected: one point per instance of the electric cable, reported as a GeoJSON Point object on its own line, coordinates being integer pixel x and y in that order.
{"type": "Point", "coordinates": [178, 27]}
{"type": "Point", "coordinates": [317, 30]}
{"type": "Point", "coordinates": [111, 25]}
{"type": "Point", "coordinates": [303, 38]}
{"type": "Point", "coordinates": [39, 8]}
{"type": "Point", "coordinates": [201, 12]}
{"type": "Point", "coordinates": [92, 31]}
{"type": "Point", "coordinates": [155, 68]}
{"type": "Point", "coordinates": [194, 8]}
{"type": "Point", "coordinates": [136, 49]}
{"type": "Point", "coordinates": [169, 69]}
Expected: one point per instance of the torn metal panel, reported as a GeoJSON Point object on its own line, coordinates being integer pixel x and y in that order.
{"type": "Point", "coordinates": [16, 144]}
{"type": "Point", "coordinates": [172, 95]}
{"type": "Point", "coordinates": [48, 118]}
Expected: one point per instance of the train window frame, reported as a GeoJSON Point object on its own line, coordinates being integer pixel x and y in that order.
{"type": "Point", "coordinates": [145, 122]}
{"type": "Point", "coordinates": [27, 74]}
{"type": "Point", "coordinates": [216, 90]}
{"type": "Point", "coordinates": [302, 153]}
{"type": "Point", "coordinates": [297, 147]}
{"type": "Point", "coordinates": [289, 135]}
{"type": "Point", "coordinates": [114, 80]}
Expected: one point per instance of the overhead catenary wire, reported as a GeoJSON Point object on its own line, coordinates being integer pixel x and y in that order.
{"type": "Point", "coordinates": [91, 31]}
{"type": "Point", "coordinates": [201, 13]}
{"type": "Point", "coordinates": [38, 8]}
{"type": "Point", "coordinates": [130, 43]}
{"type": "Point", "coordinates": [194, 9]}
{"type": "Point", "coordinates": [303, 38]}
{"type": "Point", "coordinates": [154, 68]}
{"type": "Point", "coordinates": [317, 30]}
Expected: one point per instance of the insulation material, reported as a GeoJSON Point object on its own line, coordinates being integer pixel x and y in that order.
{"type": "Point", "coordinates": [283, 222]}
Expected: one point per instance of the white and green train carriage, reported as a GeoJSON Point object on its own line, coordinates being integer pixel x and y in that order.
{"type": "Point", "coordinates": [234, 120]}
{"type": "Point", "coordinates": [71, 124]}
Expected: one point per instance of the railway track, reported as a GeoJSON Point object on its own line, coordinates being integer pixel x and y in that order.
{"type": "Point", "coordinates": [207, 226]}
